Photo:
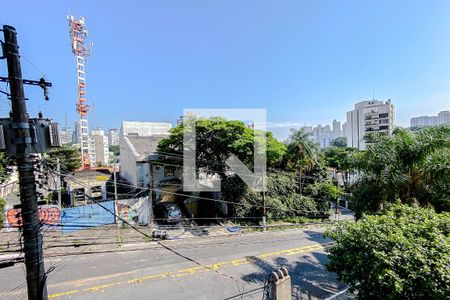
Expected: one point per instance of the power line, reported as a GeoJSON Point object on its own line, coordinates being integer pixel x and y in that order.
{"type": "Point", "coordinates": [162, 245]}
{"type": "Point", "coordinates": [196, 197]}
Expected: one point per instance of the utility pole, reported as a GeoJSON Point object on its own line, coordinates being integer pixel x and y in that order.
{"type": "Point", "coordinates": [264, 201]}
{"type": "Point", "coordinates": [115, 180]}
{"type": "Point", "coordinates": [34, 258]}
{"type": "Point", "coordinates": [336, 212]}
{"type": "Point", "coordinates": [58, 181]}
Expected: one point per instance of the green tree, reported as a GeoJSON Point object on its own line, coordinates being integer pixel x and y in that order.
{"type": "Point", "coordinates": [410, 166]}
{"type": "Point", "coordinates": [341, 160]}
{"type": "Point", "coordinates": [303, 154]}
{"type": "Point", "coordinates": [323, 192]}
{"type": "Point", "coordinates": [282, 199]}
{"type": "Point", "coordinates": [69, 158]}
{"type": "Point", "coordinates": [115, 149]}
{"type": "Point", "coordinates": [216, 140]}
{"type": "Point", "coordinates": [403, 253]}
{"type": "Point", "coordinates": [340, 142]}
{"type": "Point", "coordinates": [6, 162]}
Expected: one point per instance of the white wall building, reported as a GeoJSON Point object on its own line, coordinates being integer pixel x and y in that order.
{"type": "Point", "coordinates": [444, 117]}
{"type": "Point", "coordinates": [323, 135]}
{"type": "Point", "coordinates": [99, 147]}
{"type": "Point", "coordinates": [423, 121]}
{"type": "Point", "coordinates": [337, 128]}
{"type": "Point", "coordinates": [368, 116]}
{"type": "Point", "coordinates": [138, 142]}
{"type": "Point", "coordinates": [67, 135]}
{"type": "Point", "coordinates": [113, 137]}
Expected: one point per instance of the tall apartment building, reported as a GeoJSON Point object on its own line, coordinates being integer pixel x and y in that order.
{"type": "Point", "coordinates": [368, 116]}
{"type": "Point", "coordinates": [444, 117]}
{"type": "Point", "coordinates": [337, 128]}
{"type": "Point", "coordinates": [99, 147]}
{"type": "Point", "coordinates": [113, 137]}
{"type": "Point", "coordinates": [67, 135]}
{"type": "Point", "coordinates": [324, 135]}
{"type": "Point", "coordinates": [424, 121]}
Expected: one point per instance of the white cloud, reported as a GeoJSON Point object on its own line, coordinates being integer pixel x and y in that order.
{"type": "Point", "coordinates": [284, 125]}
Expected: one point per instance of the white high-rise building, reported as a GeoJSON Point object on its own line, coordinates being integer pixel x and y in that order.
{"type": "Point", "coordinates": [99, 149]}
{"type": "Point", "coordinates": [66, 135]}
{"type": "Point", "coordinates": [368, 116]}
{"type": "Point", "coordinates": [324, 135]}
{"type": "Point", "coordinates": [424, 121]}
{"type": "Point", "coordinates": [337, 128]}
{"type": "Point", "coordinates": [444, 117]}
{"type": "Point", "coordinates": [113, 137]}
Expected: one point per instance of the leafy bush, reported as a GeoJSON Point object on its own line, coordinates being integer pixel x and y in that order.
{"type": "Point", "coordinates": [402, 253]}
{"type": "Point", "coordinates": [282, 199]}
{"type": "Point", "coordinates": [323, 192]}
{"type": "Point", "coordinates": [412, 167]}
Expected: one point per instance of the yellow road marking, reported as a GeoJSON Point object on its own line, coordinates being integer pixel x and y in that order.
{"type": "Point", "coordinates": [196, 270]}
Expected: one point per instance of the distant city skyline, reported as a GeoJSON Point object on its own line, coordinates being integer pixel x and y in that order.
{"type": "Point", "coordinates": [307, 63]}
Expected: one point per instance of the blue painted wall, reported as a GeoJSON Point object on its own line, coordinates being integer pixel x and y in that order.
{"type": "Point", "coordinates": [83, 217]}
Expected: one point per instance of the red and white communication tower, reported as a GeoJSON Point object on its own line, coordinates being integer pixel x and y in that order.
{"type": "Point", "coordinates": [78, 36]}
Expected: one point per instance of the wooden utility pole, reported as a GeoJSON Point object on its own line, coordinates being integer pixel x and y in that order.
{"type": "Point", "coordinates": [34, 260]}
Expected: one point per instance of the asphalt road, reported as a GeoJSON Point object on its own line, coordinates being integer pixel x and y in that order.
{"type": "Point", "coordinates": [236, 268]}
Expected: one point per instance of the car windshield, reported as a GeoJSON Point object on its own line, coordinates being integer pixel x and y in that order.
{"type": "Point", "coordinates": [174, 213]}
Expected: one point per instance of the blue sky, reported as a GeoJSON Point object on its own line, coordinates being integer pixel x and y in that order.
{"type": "Point", "coordinates": [304, 61]}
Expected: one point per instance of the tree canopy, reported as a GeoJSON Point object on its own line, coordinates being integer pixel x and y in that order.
{"type": "Point", "coordinates": [413, 167]}
{"type": "Point", "coordinates": [401, 253]}
{"type": "Point", "coordinates": [282, 199]}
{"type": "Point", "coordinates": [69, 158]}
{"type": "Point", "coordinates": [216, 140]}
{"type": "Point", "coordinates": [302, 151]}
{"type": "Point", "coordinates": [340, 142]}
{"type": "Point", "coordinates": [115, 149]}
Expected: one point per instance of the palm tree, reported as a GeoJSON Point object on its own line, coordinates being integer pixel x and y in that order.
{"type": "Point", "coordinates": [302, 153]}
{"type": "Point", "coordinates": [409, 166]}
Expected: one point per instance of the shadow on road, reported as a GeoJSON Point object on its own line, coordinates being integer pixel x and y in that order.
{"type": "Point", "coordinates": [310, 280]}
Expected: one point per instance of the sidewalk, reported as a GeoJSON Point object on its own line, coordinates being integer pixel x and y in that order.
{"type": "Point", "coordinates": [114, 237]}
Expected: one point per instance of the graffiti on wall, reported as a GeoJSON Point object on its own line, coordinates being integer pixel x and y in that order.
{"type": "Point", "coordinates": [48, 215]}
{"type": "Point", "coordinates": [87, 216]}
{"type": "Point", "coordinates": [133, 211]}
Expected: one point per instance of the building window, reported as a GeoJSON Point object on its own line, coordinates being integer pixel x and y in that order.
{"type": "Point", "coordinates": [384, 127]}
{"type": "Point", "coordinates": [169, 171]}
{"type": "Point", "coordinates": [385, 115]}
